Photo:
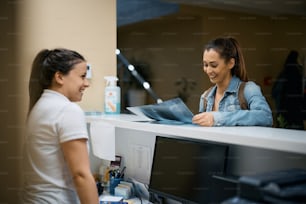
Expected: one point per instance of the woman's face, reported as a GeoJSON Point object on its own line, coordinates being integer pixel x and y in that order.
{"type": "Point", "coordinates": [75, 82]}
{"type": "Point", "coordinates": [215, 67]}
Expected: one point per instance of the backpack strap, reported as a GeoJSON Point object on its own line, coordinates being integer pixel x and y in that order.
{"type": "Point", "coordinates": [205, 97]}
{"type": "Point", "coordinates": [242, 101]}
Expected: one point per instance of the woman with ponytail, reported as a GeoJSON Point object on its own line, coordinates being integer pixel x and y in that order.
{"type": "Point", "coordinates": [222, 104]}
{"type": "Point", "coordinates": [57, 166]}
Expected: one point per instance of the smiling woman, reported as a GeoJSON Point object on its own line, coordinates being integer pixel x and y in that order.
{"type": "Point", "coordinates": [49, 69]}
{"type": "Point", "coordinates": [224, 65]}
{"type": "Point", "coordinates": [57, 166]}
{"type": "Point", "coordinates": [75, 82]}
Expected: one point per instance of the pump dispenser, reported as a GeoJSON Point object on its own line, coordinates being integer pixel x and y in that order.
{"type": "Point", "coordinates": [112, 96]}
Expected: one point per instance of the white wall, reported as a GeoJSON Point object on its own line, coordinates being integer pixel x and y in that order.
{"type": "Point", "coordinates": [88, 27]}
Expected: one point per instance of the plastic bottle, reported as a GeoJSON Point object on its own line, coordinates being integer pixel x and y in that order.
{"type": "Point", "coordinates": [112, 96]}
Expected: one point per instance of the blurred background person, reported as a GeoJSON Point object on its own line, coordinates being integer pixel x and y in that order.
{"type": "Point", "coordinates": [288, 93]}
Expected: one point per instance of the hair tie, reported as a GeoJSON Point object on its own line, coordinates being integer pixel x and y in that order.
{"type": "Point", "coordinates": [48, 52]}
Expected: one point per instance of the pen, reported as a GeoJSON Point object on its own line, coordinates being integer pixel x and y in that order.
{"type": "Point", "coordinates": [122, 172]}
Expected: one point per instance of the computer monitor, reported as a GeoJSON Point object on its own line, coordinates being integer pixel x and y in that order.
{"type": "Point", "coordinates": [183, 169]}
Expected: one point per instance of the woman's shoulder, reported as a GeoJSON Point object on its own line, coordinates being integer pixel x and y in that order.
{"type": "Point", "coordinates": [252, 87]}
{"type": "Point", "coordinates": [71, 106]}
{"type": "Point", "coordinates": [208, 92]}
{"type": "Point", "coordinates": [251, 84]}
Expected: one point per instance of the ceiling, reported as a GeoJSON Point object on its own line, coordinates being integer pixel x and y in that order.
{"type": "Point", "coordinates": [133, 11]}
{"type": "Point", "coordinates": [261, 7]}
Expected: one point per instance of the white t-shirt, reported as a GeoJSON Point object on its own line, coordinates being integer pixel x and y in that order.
{"type": "Point", "coordinates": [53, 120]}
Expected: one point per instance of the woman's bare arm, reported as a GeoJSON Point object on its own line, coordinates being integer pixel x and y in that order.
{"type": "Point", "coordinates": [77, 158]}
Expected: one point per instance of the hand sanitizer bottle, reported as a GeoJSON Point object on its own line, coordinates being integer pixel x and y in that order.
{"type": "Point", "coordinates": [112, 96]}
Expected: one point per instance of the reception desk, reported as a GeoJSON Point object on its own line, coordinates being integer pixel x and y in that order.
{"type": "Point", "coordinates": [252, 149]}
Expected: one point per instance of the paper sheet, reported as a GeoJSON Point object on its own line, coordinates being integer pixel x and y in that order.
{"type": "Point", "coordinates": [168, 111]}
{"type": "Point", "coordinates": [102, 135]}
{"type": "Point", "coordinates": [109, 198]}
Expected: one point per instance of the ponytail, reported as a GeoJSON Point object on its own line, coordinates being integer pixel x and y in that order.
{"type": "Point", "coordinates": [35, 86]}
{"type": "Point", "coordinates": [239, 69]}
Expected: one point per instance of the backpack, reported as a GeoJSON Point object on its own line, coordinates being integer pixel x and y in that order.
{"type": "Point", "coordinates": [242, 101]}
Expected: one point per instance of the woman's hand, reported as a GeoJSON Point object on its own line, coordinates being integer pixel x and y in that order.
{"type": "Point", "coordinates": [204, 119]}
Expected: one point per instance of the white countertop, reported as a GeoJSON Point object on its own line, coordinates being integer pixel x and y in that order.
{"type": "Point", "coordinates": [261, 137]}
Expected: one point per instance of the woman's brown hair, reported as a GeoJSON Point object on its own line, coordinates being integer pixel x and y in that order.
{"type": "Point", "coordinates": [45, 65]}
{"type": "Point", "coordinates": [229, 48]}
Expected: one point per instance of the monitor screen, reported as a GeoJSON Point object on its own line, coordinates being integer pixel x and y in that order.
{"type": "Point", "coordinates": [182, 169]}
